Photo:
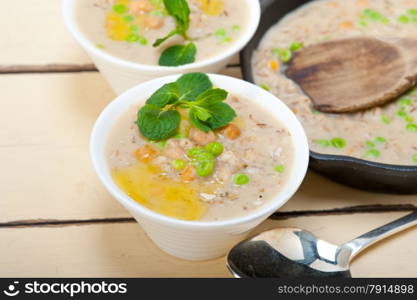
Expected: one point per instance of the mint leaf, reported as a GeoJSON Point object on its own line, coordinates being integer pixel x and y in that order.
{"type": "Point", "coordinates": [221, 115]}
{"type": "Point", "coordinates": [157, 124]}
{"type": "Point", "coordinates": [210, 97]}
{"type": "Point", "coordinates": [191, 85]}
{"type": "Point", "coordinates": [167, 94]}
{"type": "Point", "coordinates": [201, 125]}
{"type": "Point", "coordinates": [180, 11]}
{"type": "Point", "coordinates": [178, 55]}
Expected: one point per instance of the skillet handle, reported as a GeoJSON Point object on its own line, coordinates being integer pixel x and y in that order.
{"type": "Point", "coordinates": [362, 242]}
{"type": "Point", "coordinates": [265, 3]}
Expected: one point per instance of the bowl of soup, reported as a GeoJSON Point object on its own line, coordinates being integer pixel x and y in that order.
{"type": "Point", "coordinates": [375, 149]}
{"type": "Point", "coordinates": [132, 41]}
{"type": "Point", "coordinates": [199, 160]}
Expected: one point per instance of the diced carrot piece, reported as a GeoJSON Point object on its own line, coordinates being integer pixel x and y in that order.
{"type": "Point", "coordinates": [231, 131]}
{"type": "Point", "coordinates": [346, 25]}
{"type": "Point", "coordinates": [273, 64]}
{"type": "Point", "coordinates": [153, 22]}
{"type": "Point", "coordinates": [145, 153]}
{"type": "Point", "coordinates": [188, 174]}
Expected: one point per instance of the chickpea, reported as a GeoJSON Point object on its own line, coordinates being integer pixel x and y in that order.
{"type": "Point", "coordinates": [140, 6]}
{"type": "Point", "coordinates": [231, 131]}
{"type": "Point", "coordinates": [153, 22]}
{"type": "Point", "coordinates": [145, 153]}
{"type": "Point", "coordinates": [200, 137]}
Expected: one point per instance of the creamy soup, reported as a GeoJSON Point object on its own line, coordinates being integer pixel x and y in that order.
{"type": "Point", "coordinates": [253, 157]}
{"type": "Point", "coordinates": [128, 28]}
{"type": "Point", "coordinates": [385, 134]}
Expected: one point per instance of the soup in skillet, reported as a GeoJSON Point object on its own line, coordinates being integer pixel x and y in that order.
{"type": "Point", "coordinates": [386, 134]}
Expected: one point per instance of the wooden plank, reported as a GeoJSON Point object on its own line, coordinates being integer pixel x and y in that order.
{"type": "Point", "coordinates": [113, 250]}
{"type": "Point", "coordinates": [45, 124]}
{"type": "Point", "coordinates": [34, 34]}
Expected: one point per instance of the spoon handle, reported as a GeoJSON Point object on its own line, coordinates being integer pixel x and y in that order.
{"type": "Point", "coordinates": [367, 239]}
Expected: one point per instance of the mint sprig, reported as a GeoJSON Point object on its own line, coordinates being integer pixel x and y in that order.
{"type": "Point", "coordinates": [159, 118]}
{"type": "Point", "coordinates": [180, 11]}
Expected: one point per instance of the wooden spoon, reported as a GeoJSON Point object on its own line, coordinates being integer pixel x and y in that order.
{"type": "Point", "coordinates": [354, 74]}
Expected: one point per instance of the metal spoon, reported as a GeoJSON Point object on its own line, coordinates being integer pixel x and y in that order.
{"type": "Point", "coordinates": [293, 252]}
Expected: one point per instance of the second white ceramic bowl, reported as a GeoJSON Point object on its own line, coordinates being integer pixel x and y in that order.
{"type": "Point", "coordinates": [195, 240]}
{"type": "Point", "coordinates": [123, 74]}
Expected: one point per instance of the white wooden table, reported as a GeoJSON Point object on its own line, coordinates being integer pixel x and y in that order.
{"type": "Point", "coordinates": [56, 219]}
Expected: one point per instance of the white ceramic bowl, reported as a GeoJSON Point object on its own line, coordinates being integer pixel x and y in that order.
{"type": "Point", "coordinates": [195, 240]}
{"type": "Point", "coordinates": [123, 74]}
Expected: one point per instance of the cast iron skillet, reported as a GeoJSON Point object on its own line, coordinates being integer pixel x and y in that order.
{"type": "Point", "coordinates": [355, 172]}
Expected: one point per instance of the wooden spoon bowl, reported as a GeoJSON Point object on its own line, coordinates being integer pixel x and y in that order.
{"type": "Point", "coordinates": [354, 74]}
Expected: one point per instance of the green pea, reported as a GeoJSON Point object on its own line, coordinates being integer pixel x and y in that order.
{"type": "Point", "coordinates": [215, 148]}
{"type": "Point", "coordinates": [404, 19]}
{"type": "Point", "coordinates": [236, 27]}
{"type": "Point", "coordinates": [363, 23]}
{"type": "Point", "coordinates": [132, 38]}
{"type": "Point", "coordinates": [120, 8]}
{"type": "Point", "coordinates": [162, 144]}
{"type": "Point", "coordinates": [372, 14]}
{"type": "Point", "coordinates": [279, 168]}
{"type": "Point", "coordinates": [338, 143]}
{"type": "Point", "coordinates": [204, 168]}
{"type": "Point", "coordinates": [323, 143]}
{"type": "Point", "coordinates": [195, 152]}
{"type": "Point", "coordinates": [414, 158]}
{"type": "Point", "coordinates": [405, 102]}
{"type": "Point", "coordinates": [143, 41]}
{"type": "Point", "coordinates": [384, 20]}
{"type": "Point", "coordinates": [412, 127]}
{"type": "Point", "coordinates": [409, 119]}
{"type": "Point", "coordinates": [276, 51]}
{"type": "Point", "coordinates": [373, 153]}
{"type": "Point", "coordinates": [265, 87]}
{"type": "Point", "coordinates": [156, 13]}
{"type": "Point", "coordinates": [178, 164]}
{"type": "Point", "coordinates": [241, 179]}
{"type": "Point", "coordinates": [380, 139]}
{"type": "Point", "coordinates": [220, 33]}
{"type": "Point", "coordinates": [133, 28]}
{"type": "Point", "coordinates": [296, 46]}
{"type": "Point", "coordinates": [385, 119]}
{"type": "Point", "coordinates": [412, 11]}
{"type": "Point", "coordinates": [285, 55]}
{"type": "Point", "coordinates": [369, 144]}
{"type": "Point", "coordinates": [402, 113]}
